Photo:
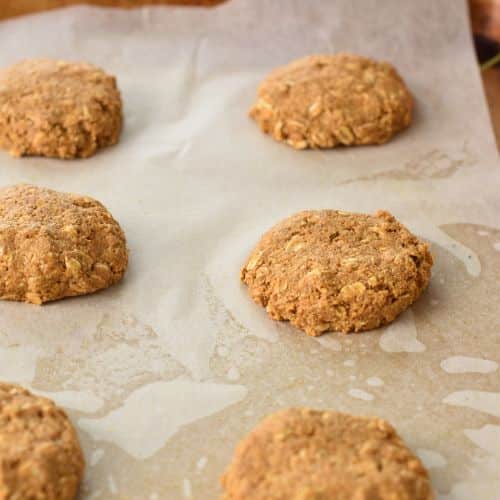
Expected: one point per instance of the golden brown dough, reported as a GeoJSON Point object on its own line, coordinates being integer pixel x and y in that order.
{"type": "Point", "coordinates": [55, 245]}
{"type": "Point", "coordinates": [40, 455]}
{"type": "Point", "coordinates": [326, 270]}
{"type": "Point", "coordinates": [58, 109]}
{"type": "Point", "coordinates": [304, 454]}
{"type": "Point", "coordinates": [322, 101]}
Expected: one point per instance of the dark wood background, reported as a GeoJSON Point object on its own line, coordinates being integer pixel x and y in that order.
{"type": "Point", "coordinates": [485, 22]}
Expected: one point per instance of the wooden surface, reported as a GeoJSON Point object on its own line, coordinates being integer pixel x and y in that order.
{"type": "Point", "coordinates": [491, 81]}
{"type": "Point", "coordinates": [485, 19]}
{"type": "Point", "coordinates": [11, 8]}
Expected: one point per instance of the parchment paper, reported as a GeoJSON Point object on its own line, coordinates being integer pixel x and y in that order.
{"type": "Point", "coordinates": [165, 372]}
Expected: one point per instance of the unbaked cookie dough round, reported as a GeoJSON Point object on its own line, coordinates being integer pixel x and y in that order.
{"type": "Point", "coordinates": [303, 454]}
{"type": "Point", "coordinates": [327, 270]}
{"type": "Point", "coordinates": [323, 101]}
{"type": "Point", "coordinates": [40, 454]}
{"type": "Point", "coordinates": [58, 109]}
{"type": "Point", "coordinates": [55, 245]}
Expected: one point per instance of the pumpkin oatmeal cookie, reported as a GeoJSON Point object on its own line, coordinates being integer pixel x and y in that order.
{"type": "Point", "coordinates": [323, 101]}
{"type": "Point", "coordinates": [55, 245]}
{"type": "Point", "coordinates": [304, 454]}
{"type": "Point", "coordinates": [327, 270]}
{"type": "Point", "coordinates": [40, 454]}
{"type": "Point", "coordinates": [58, 109]}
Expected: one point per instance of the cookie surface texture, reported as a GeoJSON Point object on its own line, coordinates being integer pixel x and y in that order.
{"type": "Point", "coordinates": [328, 270]}
{"type": "Point", "coordinates": [40, 454]}
{"type": "Point", "coordinates": [55, 245]}
{"type": "Point", "coordinates": [58, 109]}
{"type": "Point", "coordinates": [304, 454]}
{"type": "Point", "coordinates": [323, 101]}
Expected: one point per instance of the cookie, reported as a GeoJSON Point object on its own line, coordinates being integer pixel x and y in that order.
{"type": "Point", "coordinates": [58, 109]}
{"type": "Point", "coordinates": [303, 454]}
{"type": "Point", "coordinates": [55, 245]}
{"type": "Point", "coordinates": [323, 101]}
{"type": "Point", "coordinates": [326, 270]}
{"type": "Point", "coordinates": [40, 455]}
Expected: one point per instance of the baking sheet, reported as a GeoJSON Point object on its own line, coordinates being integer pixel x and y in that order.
{"type": "Point", "coordinates": [165, 372]}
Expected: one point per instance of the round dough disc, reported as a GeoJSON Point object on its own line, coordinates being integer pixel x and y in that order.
{"type": "Point", "coordinates": [304, 454]}
{"type": "Point", "coordinates": [55, 245]}
{"type": "Point", "coordinates": [58, 109]}
{"type": "Point", "coordinates": [39, 449]}
{"type": "Point", "coordinates": [323, 101]}
{"type": "Point", "coordinates": [326, 270]}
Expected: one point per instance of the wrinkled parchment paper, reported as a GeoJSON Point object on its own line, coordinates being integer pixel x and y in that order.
{"type": "Point", "coordinates": [165, 372]}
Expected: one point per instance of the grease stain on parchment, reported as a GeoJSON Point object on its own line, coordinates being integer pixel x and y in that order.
{"type": "Point", "coordinates": [96, 456]}
{"type": "Point", "coordinates": [83, 401]}
{"type": "Point", "coordinates": [467, 364]}
{"type": "Point", "coordinates": [236, 348]}
{"type": "Point", "coordinates": [201, 463]}
{"type": "Point", "coordinates": [375, 381]}
{"type": "Point", "coordinates": [433, 164]}
{"type": "Point", "coordinates": [187, 489]}
{"type": "Point", "coordinates": [112, 486]}
{"type": "Point", "coordinates": [431, 458]}
{"type": "Point", "coordinates": [329, 342]}
{"type": "Point", "coordinates": [18, 363]}
{"type": "Point", "coordinates": [487, 438]}
{"type": "Point", "coordinates": [437, 235]}
{"type": "Point", "coordinates": [164, 407]}
{"type": "Point", "coordinates": [119, 356]}
{"type": "Point", "coordinates": [483, 401]}
{"type": "Point", "coordinates": [401, 335]}
{"type": "Point", "coordinates": [360, 394]}
{"type": "Point", "coordinates": [481, 482]}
